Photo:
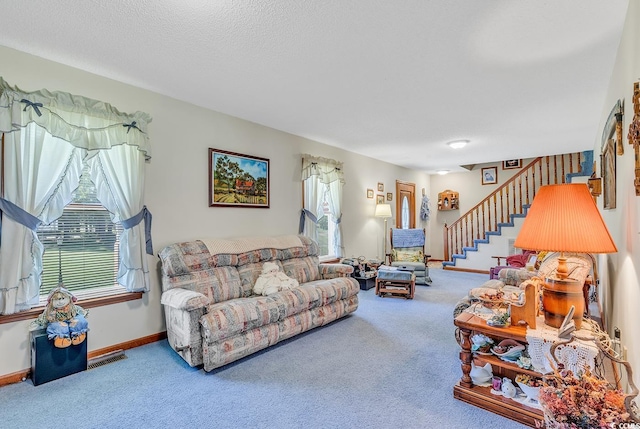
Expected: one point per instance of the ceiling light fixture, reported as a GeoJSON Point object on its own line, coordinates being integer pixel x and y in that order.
{"type": "Point", "coordinates": [442, 172]}
{"type": "Point", "coordinates": [458, 144]}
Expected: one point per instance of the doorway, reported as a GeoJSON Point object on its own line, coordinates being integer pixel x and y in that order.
{"type": "Point", "coordinates": [405, 204]}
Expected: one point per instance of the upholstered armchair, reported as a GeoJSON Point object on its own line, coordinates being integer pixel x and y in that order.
{"type": "Point", "coordinates": [408, 249]}
{"type": "Point", "coordinates": [581, 268]}
{"type": "Point", "coordinates": [513, 261]}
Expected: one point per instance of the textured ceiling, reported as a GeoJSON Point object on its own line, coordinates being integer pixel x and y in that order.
{"type": "Point", "coordinates": [394, 80]}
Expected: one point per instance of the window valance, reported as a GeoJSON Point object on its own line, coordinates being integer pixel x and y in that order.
{"type": "Point", "coordinates": [327, 170]}
{"type": "Point", "coordinates": [83, 122]}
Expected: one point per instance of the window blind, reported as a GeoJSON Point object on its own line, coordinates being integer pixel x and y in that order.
{"type": "Point", "coordinates": [81, 247]}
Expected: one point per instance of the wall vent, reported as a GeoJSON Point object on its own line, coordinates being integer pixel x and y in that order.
{"type": "Point", "coordinates": [106, 359]}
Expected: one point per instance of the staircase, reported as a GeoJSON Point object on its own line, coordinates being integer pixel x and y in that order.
{"type": "Point", "coordinates": [508, 205]}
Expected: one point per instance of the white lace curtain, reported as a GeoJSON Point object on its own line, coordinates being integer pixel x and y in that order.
{"type": "Point", "coordinates": [323, 180]}
{"type": "Point", "coordinates": [47, 137]}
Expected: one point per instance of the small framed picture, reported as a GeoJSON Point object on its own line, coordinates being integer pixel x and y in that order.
{"type": "Point", "coordinates": [380, 187]}
{"type": "Point", "coordinates": [380, 199]}
{"type": "Point", "coordinates": [369, 193]}
{"type": "Point", "coordinates": [389, 196]}
{"type": "Point", "coordinates": [511, 163]}
{"type": "Point", "coordinates": [490, 175]}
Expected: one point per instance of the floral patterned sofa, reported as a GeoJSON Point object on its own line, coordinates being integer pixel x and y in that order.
{"type": "Point", "coordinates": [212, 316]}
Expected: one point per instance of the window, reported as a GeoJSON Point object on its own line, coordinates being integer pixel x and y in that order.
{"type": "Point", "coordinates": [322, 182]}
{"type": "Point", "coordinates": [326, 232]}
{"type": "Point", "coordinates": [50, 140]}
{"type": "Point", "coordinates": [81, 247]}
{"type": "Point", "coordinates": [405, 212]}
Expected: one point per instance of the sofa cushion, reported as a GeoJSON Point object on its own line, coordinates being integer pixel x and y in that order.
{"type": "Point", "coordinates": [218, 284]}
{"type": "Point", "coordinates": [304, 269]}
{"type": "Point", "coordinates": [226, 319]}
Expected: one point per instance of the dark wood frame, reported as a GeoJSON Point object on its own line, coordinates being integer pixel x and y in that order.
{"type": "Point", "coordinates": [510, 164]}
{"type": "Point", "coordinates": [261, 162]}
{"type": "Point", "coordinates": [495, 175]}
{"type": "Point", "coordinates": [389, 196]}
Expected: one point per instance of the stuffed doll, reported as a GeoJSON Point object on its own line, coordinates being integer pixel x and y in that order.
{"type": "Point", "coordinates": [272, 280]}
{"type": "Point", "coordinates": [65, 321]}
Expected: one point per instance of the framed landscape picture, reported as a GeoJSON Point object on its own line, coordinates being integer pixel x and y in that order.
{"type": "Point", "coordinates": [237, 180]}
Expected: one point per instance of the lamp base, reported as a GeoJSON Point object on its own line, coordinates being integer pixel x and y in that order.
{"type": "Point", "coordinates": [557, 298]}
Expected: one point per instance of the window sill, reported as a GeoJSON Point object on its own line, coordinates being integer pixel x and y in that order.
{"type": "Point", "coordinates": [329, 259]}
{"type": "Point", "coordinates": [84, 303]}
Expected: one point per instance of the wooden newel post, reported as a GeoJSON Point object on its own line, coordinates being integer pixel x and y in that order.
{"type": "Point", "coordinates": [445, 242]}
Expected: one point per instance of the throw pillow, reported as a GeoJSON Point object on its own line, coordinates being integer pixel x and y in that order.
{"type": "Point", "coordinates": [408, 254]}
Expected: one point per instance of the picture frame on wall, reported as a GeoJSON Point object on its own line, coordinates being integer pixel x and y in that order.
{"type": "Point", "coordinates": [511, 164]}
{"type": "Point", "coordinates": [490, 175]}
{"type": "Point", "coordinates": [380, 199]}
{"type": "Point", "coordinates": [389, 196]}
{"type": "Point", "coordinates": [369, 193]}
{"type": "Point", "coordinates": [238, 180]}
{"type": "Point", "coordinates": [380, 187]}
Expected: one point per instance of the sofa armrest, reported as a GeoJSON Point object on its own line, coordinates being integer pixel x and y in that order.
{"type": "Point", "coordinates": [329, 271]}
{"type": "Point", "coordinates": [183, 310]}
{"type": "Point", "coordinates": [515, 276]}
{"type": "Point", "coordinates": [184, 299]}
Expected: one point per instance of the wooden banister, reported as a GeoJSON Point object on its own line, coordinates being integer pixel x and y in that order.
{"type": "Point", "coordinates": [512, 197]}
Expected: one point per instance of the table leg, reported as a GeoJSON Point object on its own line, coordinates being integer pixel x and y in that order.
{"type": "Point", "coordinates": [462, 335]}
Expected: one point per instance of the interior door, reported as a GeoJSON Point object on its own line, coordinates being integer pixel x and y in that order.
{"type": "Point", "coordinates": [405, 204]}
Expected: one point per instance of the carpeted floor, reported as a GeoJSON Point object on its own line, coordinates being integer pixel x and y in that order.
{"type": "Point", "coordinates": [392, 364]}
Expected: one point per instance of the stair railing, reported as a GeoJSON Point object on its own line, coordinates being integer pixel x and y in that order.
{"type": "Point", "coordinates": [510, 198]}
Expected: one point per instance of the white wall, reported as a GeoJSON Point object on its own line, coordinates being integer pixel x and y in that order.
{"type": "Point", "coordinates": [620, 287]}
{"type": "Point", "coordinates": [469, 185]}
{"type": "Point", "coordinates": [176, 189]}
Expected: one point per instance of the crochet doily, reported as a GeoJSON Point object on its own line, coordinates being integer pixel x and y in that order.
{"type": "Point", "coordinates": [575, 356]}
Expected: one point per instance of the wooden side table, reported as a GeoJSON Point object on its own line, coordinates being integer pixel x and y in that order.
{"type": "Point", "coordinates": [465, 390]}
{"type": "Point", "coordinates": [366, 283]}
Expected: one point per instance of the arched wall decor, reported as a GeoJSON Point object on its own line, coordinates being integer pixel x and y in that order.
{"type": "Point", "coordinates": [634, 134]}
{"type": "Point", "coordinates": [611, 145]}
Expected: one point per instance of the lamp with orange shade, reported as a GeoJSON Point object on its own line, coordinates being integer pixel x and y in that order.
{"type": "Point", "coordinates": [564, 218]}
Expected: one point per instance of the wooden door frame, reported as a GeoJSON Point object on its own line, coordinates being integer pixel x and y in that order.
{"type": "Point", "coordinates": [412, 204]}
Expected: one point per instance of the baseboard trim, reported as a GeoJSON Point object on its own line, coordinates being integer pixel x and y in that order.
{"type": "Point", "coordinates": [17, 377]}
{"type": "Point", "coordinates": [466, 270]}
